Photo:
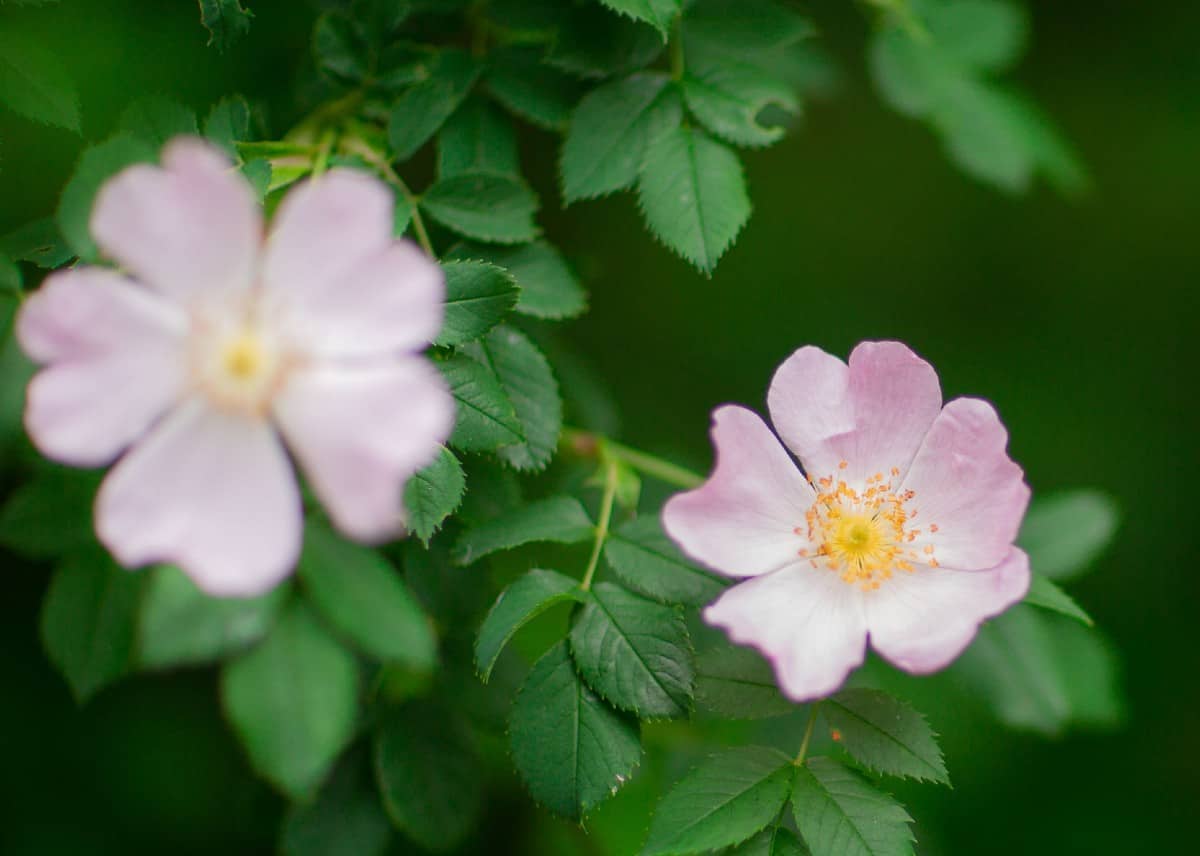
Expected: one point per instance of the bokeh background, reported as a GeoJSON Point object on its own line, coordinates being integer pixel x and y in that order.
{"type": "Point", "coordinates": [1078, 318]}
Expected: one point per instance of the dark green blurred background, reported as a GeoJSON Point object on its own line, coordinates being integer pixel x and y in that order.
{"type": "Point", "coordinates": [1076, 318]}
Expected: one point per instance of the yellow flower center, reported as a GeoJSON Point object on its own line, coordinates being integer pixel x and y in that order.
{"type": "Point", "coordinates": [244, 357]}
{"type": "Point", "coordinates": [865, 536]}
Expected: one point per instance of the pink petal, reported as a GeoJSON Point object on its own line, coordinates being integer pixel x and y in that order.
{"type": "Point", "coordinates": [189, 228]}
{"type": "Point", "coordinates": [360, 432]}
{"type": "Point", "coordinates": [210, 491]}
{"type": "Point", "coordinates": [742, 521]}
{"type": "Point", "coordinates": [809, 623]}
{"type": "Point", "coordinates": [921, 621]}
{"type": "Point", "coordinates": [391, 301]}
{"type": "Point", "coordinates": [871, 414]}
{"type": "Point", "coordinates": [966, 485]}
{"type": "Point", "coordinates": [324, 229]}
{"type": "Point", "coordinates": [116, 363]}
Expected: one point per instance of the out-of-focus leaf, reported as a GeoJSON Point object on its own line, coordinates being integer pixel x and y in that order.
{"type": "Point", "coordinates": [34, 83]}
{"type": "Point", "coordinates": [557, 518]}
{"type": "Point", "coordinates": [1065, 533]}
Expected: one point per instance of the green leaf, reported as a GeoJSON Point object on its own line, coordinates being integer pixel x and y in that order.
{"type": "Point", "coordinates": [532, 90]}
{"type": "Point", "coordinates": [34, 83]}
{"type": "Point", "coordinates": [571, 749]}
{"type": "Point", "coordinates": [1065, 533]}
{"type": "Point", "coordinates": [96, 165]}
{"type": "Point", "coordinates": [992, 134]}
{"type": "Point", "coordinates": [648, 562]}
{"type": "Point", "coordinates": [693, 195]}
{"type": "Point", "coordinates": [1047, 595]}
{"type": "Point", "coordinates": [1044, 673]}
{"type": "Point", "coordinates": [486, 419]}
{"type": "Point", "coordinates": [10, 278]}
{"type": "Point", "coordinates": [987, 35]}
{"type": "Point", "coordinates": [528, 382]}
{"type": "Point", "coordinates": [38, 242]}
{"type": "Point", "coordinates": [549, 288]}
{"type": "Point", "coordinates": [525, 599]}
{"type": "Point", "coordinates": [840, 814]}
{"type": "Point", "coordinates": [745, 28]}
{"type": "Point", "coordinates": [179, 625]}
{"type": "Point", "coordinates": [592, 43]}
{"type": "Point", "coordinates": [293, 702]}
{"type": "Point", "coordinates": [737, 683]}
{"type": "Point", "coordinates": [228, 123]}
{"type": "Point", "coordinates": [635, 653]}
{"type": "Point", "coordinates": [477, 138]}
{"type": "Point", "coordinates": [728, 100]}
{"type": "Point", "coordinates": [886, 735]}
{"type": "Point", "coordinates": [724, 801]}
{"type": "Point", "coordinates": [777, 841]}
{"type": "Point", "coordinates": [51, 514]}
{"type": "Point", "coordinates": [478, 296]}
{"type": "Point", "coordinates": [486, 206]}
{"type": "Point", "coordinates": [424, 108]}
{"type": "Point", "coordinates": [346, 818]}
{"type": "Point", "coordinates": [610, 130]}
{"type": "Point", "coordinates": [155, 119]}
{"type": "Point", "coordinates": [428, 774]}
{"type": "Point", "coordinates": [88, 621]}
{"type": "Point", "coordinates": [226, 21]}
{"type": "Point", "coordinates": [365, 599]}
{"type": "Point", "coordinates": [339, 47]}
{"type": "Point", "coordinates": [557, 518]}
{"type": "Point", "coordinates": [433, 494]}
{"type": "Point", "coordinates": [659, 14]}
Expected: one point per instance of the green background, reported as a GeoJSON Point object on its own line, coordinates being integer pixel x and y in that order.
{"type": "Point", "coordinates": [1075, 317]}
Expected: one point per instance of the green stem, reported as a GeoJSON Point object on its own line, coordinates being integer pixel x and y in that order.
{"type": "Point", "coordinates": [808, 733]}
{"type": "Point", "coordinates": [588, 444]}
{"type": "Point", "coordinates": [676, 48]}
{"type": "Point", "coordinates": [606, 509]}
{"type": "Point", "coordinates": [321, 161]}
{"type": "Point", "coordinates": [358, 146]}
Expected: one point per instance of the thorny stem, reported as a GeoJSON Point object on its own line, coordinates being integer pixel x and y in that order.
{"type": "Point", "coordinates": [358, 146]}
{"type": "Point", "coordinates": [676, 47]}
{"type": "Point", "coordinates": [606, 509]}
{"type": "Point", "coordinates": [587, 444]}
{"type": "Point", "coordinates": [808, 733]}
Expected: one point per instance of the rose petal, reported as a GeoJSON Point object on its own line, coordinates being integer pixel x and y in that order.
{"type": "Point", "coordinates": [391, 301]}
{"type": "Point", "coordinates": [324, 229]}
{"type": "Point", "coordinates": [189, 228]}
{"type": "Point", "coordinates": [922, 621]}
{"type": "Point", "coordinates": [966, 484]}
{"type": "Point", "coordinates": [360, 432]}
{"type": "Point", "coordinates": [116, 363]}
{"type": "Point", "coordinates": [210, 491]}
{"type": "Point", "coordinates": [871, 414]}
{"type": "Point", "coordinates": [809, 623]}
{"type": "Point", "coordinates": [742, 521]}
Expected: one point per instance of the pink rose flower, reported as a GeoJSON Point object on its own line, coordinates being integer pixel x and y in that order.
{"type": "Point", "coordinates": [899, 528]}
{"type": "Point", "coordinates": [220, 353]}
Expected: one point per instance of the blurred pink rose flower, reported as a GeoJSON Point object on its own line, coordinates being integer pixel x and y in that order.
{"type": "Point", "coordinates": [215, 353]}
{"type": "Point", "coordinates": [899, 529]}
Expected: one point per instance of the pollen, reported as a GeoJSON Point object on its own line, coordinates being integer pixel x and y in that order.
{"type": "Point", "coordinates": [864, 536]}
{"type": "Point", "coordinates": [244, 357]}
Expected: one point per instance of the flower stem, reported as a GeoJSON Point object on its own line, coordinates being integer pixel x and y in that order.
{"type": "Point", "coordinates": [587, 444]}
{"type": "Point", "coordinates": [321, 161]}
{"type": "Point", "coordinates": [606, 509]}
{"type": "Point", "coordinates": [676, 48]}
{"type": "Point", "coordinates": [808, 733]}
{"type": "Point", "coordinates": [360, 147]}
